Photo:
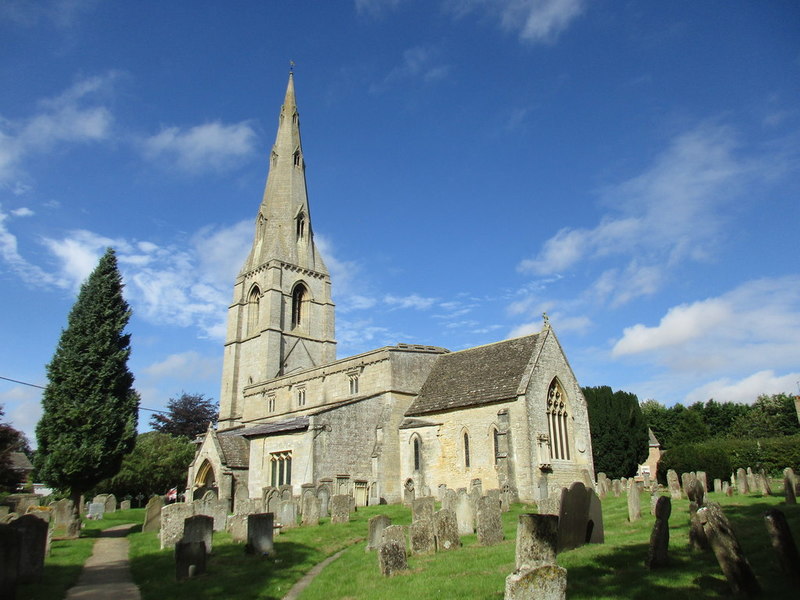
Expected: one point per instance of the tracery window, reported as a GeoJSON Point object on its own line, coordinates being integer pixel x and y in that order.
{"type": "Point", "coordinates": [557, 422]}
{"type": "Point", "coordinates": [281, 468]}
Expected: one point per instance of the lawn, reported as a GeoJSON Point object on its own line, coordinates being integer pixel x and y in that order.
{"type": "Point", "coordinates": [611, 570]}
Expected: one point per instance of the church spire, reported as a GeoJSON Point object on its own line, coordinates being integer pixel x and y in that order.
{"type": "Point", "coordinates": [283, 223]}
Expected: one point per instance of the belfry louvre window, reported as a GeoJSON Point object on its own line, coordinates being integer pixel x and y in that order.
{"type": "Point", "coordinates": [557, 422]}
{"type": "Point", "coordinates": [271, 403]}
{"type": "Point", "coordinates": [253, 308]}
{"type": "Point", "coordinates": [281, 466]}
{"type": "Point", "coordinates": [298, 308]}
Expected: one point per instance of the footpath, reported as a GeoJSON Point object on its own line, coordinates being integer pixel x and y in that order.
{"type": "Point", "coordinates": [106, 574]}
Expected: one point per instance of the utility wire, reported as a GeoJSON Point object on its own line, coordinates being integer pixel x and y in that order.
{"type": "Point", "coordinates": [41, 387]}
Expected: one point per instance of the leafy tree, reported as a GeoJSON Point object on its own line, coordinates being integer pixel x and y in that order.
{"type": "Point", "coordinates": [11, 440]}
{"type": "Point", "coordinates": [770, 416]}
{"type": "Point", "coordinates": [157, 464]}
{"type": "Point", "coordinates": [619, 431]}
{"type": "Point", "coordinates": [90, 408]}
{"type": "Point", "coordinates": [187, 415]}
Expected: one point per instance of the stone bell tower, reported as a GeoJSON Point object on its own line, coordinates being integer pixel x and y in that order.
{"type": "Point", "coordinates": [282, 317]}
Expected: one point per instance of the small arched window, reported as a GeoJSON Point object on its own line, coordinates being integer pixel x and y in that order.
{"type": "Point", "coordinates": [253, 309]}
{"type": "Point", "coordinates": [301, 226]}
{"type": "Point", "coordinates": [557, 421]}
{"type": "Point", "coordinates": [466, 450]}
{"type": "Point", "coordinates": [417, 454]}
{"type": "Point", "coordinates": [495, 443]}
{"type": "Point", "coordinates": [299, 298]}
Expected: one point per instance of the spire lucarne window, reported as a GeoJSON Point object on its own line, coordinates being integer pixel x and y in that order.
{"type": "Point", "coordinates": [557, 422]}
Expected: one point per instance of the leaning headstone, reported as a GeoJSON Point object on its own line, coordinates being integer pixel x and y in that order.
{"type": "Point", "coordinates": [287, 514]}
{"type": "Point", "coordinates": [788, 491]}
{"type": "Point", "coordinates": [190, 559]}
{"type": "Point", "coordinates": [172, 518]}
{"type": "Point", "coordinates": [764, 483]}
{"type": "Point", "coordinates": [237, 527]}
{"type": "Point", "coordinates": [340, 508]}
{"type": "Point", "coordinates": [392, 558]}
{"type": "Point", "coordinates": [422, 508]}
{"type": "Point", "coordinates": [96, 510]}
{"type": "Point", "coordinates": [489, 524]}
{"type": "Point", "coordinates": [199, 528]}
{"type": "Point", "coordinates": [376, 526]}
{"type": "Point", "coordinates": [783, 543]}
{"type": "Point", "coordinates": [674, 485]}
{"type": "Point", "coordinates": [573, 517]}
{"type": "Point", "coordinates": [32, 546]}
{"type": "Point", "coordinates": [537, 541]}
{"type": "Point", "coordinates": [548, 582]}
{"type": "Point", "coordinates": [445, 530]}
{"type": "Point", "coordinates": [658, 551]}
{"type": "Point", "coordinates": [731, 558]}
{"type": "Point", "coordinates": [311, 506]}
{"type": "Point", "coordinates": [634, 504]}
{"type": "Point", "coordinates": [697, 536]}
{"type": "Point", "coordinates": [152, 514]}
{"type": "Point", "coordinates": [421, 537]}
{"type": "Point", "coordinates": [742, 484]}
{"type": "Point", "coordinates": [9, 560]}
{"type": "Point", "coordinates": [260, 528]}
{"type": "Point", "coordinates": [464, 514]}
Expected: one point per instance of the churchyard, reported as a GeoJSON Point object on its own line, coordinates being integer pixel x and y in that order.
{"type": "Point", "coordinates": [613, 569]}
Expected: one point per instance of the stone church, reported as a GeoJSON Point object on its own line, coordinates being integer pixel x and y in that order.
{"type": "Point", "coordinates": [384, 423]}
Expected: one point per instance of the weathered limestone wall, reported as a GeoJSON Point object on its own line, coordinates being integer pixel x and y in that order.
{"type": "Point", "coordinates": [298, 443]}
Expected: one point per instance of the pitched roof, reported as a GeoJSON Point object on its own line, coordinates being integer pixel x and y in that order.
{"type": "Point", "coordinates": [476, 376]}
{"type": "Point", "coordinates": [295, 424]}
{"type": "Point", "coordinates": [20, 462]}
{"type": "Point", "coordinates": [235, 448]}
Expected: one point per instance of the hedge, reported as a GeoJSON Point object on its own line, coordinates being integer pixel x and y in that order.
{"type": "Point", "coordinates": [720, 457]}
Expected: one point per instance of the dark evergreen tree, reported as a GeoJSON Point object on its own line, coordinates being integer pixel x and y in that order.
{"type": "Point", "coordinates": [188, 415]}
{"type": "Point", "coordinates": [90, 408]}
{"type": "Point", "coordinates": [619, 431]}
{"type": "Point", "coordinates": [11, 441]}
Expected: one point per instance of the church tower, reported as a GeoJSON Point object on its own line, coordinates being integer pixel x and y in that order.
{"type": "Point", "coordinates": [282, 317]}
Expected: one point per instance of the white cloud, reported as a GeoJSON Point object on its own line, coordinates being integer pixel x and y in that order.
{"type": "Point", "coordinates": [411, 301]}
{"type": "Point", "coordinates": [72, 117]}
{"type": "Point", "coordinates": [22, 212]}
{"type": "Point", "coordinates": [79, 253]}
{"type": "Point", "coordinates": [189, 365]}
{"type": "Point", "coordinates": [745, 390]}
{"type": "Point", "coordinates": [28, 272]}
{"type": "Point", "coordinates": [560, 323]}
{"type": "Point", "coordinates": [211, 145]}
{"type": "Point", "coordinates": [754, 326]}
{"type": "Point", "coordinates": [535, 21]}
{"type": "Point", "coordinates": [23, 409]}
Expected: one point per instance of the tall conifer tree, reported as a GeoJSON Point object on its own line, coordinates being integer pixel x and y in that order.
{"type": "Point", "coordinates": [90, 409]}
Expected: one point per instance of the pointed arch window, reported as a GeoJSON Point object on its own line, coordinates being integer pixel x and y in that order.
{"type": "Point", "coordinates": [417, 453]}
{"type": "Point", "coordinates": [557, 421]}
{"type": "Point", "coordinates": [466, 450]}
{"type": "Point", "coordinates": [299, 301]}
{"type": "Point", "coordinates": [301, 226]}
{"type": "Point", "coordinates": [253, 309]}
{"type": "Point", "coordinates": [297, 158]}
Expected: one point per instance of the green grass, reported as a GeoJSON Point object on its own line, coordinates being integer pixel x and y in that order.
{"type": "Point", "coordinates": [611, 570]}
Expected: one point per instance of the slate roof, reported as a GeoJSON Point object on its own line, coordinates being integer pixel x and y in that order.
{"type": "Point", "coordinates": [476, 376]}
{"type": "Point", "coordinates": [20, 462]}
{"type": "Point", "coordinates": [295, 424]}
{"type": "Point", "coordinates": [235, 448]}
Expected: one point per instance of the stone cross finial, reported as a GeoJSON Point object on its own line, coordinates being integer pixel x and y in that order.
{"type": "Point", "coordinates": [546, 319]}
{"type": "Point", "coordinates": [291, 66]}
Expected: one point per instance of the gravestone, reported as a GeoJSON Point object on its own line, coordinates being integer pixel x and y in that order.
{"type": "Point", "coordinates": [488, 522]}
{"type": "Point", "coordinates": [695, 492]}
{"type": "Point", "coordinates": [697, 536]}
{"type": "Point", "coordinates": [464, 514]}
{"type": "Point", "coordinates": [718, 485]}
{"type": "Point", "coordinates": [394, 533]}
{"type": "Point", "coordinates": [547, 582]}
{"type": "Point", "coordinates": [190, 559]}
{"type": "Point", "coordinates": [658, 551]}
{"type": "Point", "coordinates": [725, 487]}
{"type": "Point", "coordinates": [441, 490]}
{"type": "Point", "coordinates": [260, 528]}
{"type": "Point", "coordinates": [422, 508]}
{"type": "Point", "coordinates": [674, 485]}
{"type": "Point", "coordinates": [616, 487]}
{"type": "Point", "coordinates": [537, 541]}
{"type": "Point", "coordinates": [62, 514]}
{"type": "Point", "coordinates": [152, 514]}
{"type": "Point", "coordinates": [634, 504]}
{"type": "Point", "coordinates": [392, 558]}
{"type": "Point", "coordinates": [96, 510]}
{"type": "Point", "coordinates": [703, 479]}
{"type": "Point", "coordinates": [653, 501]}
{"type": "Point", "coordinates": [421, 538]}
{"type": "Point", "coordinates": [742, 485]}
{"type": "Point", "coordinates": [241, 499]}
{"type": "Point", "coordinates": [311, 505]}
{"type": "Point", "coordinates": [602, 485]}
{"type": "Point", "coordinates": [40, 512]}
{"type": "Point", "coordinates": [573, 518]}
{"type": "Point", "coordinates": [408, 492]}
{"type": "Point", "coordinates": [751, 480]}
{"type": "Point", "coordinates": [272, 500]}
{"type": "Point", "coordinates": [199, 528]}
{"type": "Point", "coordinates": [287, 514]}
{"type": "Point", "coordinates": [595, 531]}
{"type": "Point", "coordinates": [445, 530]}
{"type": "Point", "coordinates": [32, 546]}
{"type": "Point", "coordinates": [324, 495]}
{"type": "Point", "coordinates": [9, 560]}
{"type": "Point", "coordinates": [449, 500]}
{"type": "Point", "coordinates": [111, 503]}
{"type": "Point", "coordinates": [376, 526]}
{"type": "Point", "coordinates": [236, 526]}
{"type": "Point", "coordinates": [172, 518]}
{"type": "Point", "coordinates": [764, 483]}
{"type": "Point", "coordinates": [125, 505]}
{"type": "Point", "coordinates": [213, 507]}
{"type": "Point", "coordinates": [788, 491]}
{"type": "Point", "coordinates": [729, 554]}
{"type": "Point", "coordinates": [783, 543]}
{"type": "Point", "coordinates": [340, 508]}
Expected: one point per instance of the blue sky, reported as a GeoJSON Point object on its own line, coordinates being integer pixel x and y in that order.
{"type": "Point", "coordinates": [630, 168]}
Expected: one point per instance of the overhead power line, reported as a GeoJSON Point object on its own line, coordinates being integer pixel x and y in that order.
{"type": "Point", "coordinates": [41, 387]}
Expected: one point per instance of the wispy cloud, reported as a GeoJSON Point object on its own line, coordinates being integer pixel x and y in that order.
{"type": "Point", "coordinates": [535, 21]}
{"type": "Point", "coordinates": [414, 301]}
{"type": "Point", "coordinates": [754, 326]}
{"type": "Point", "coordinates": [189, 365]}
{"type": "Point", "coordinates": [211, 145]}
{"type": "Point", "coordinates": [376, 7]}
{"type": "Point", "coordinates": [747, 389]}
{"type": "Point", "coordinates": [59, 13]}
{"type": "Point", "coordinates": [419, 63]}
